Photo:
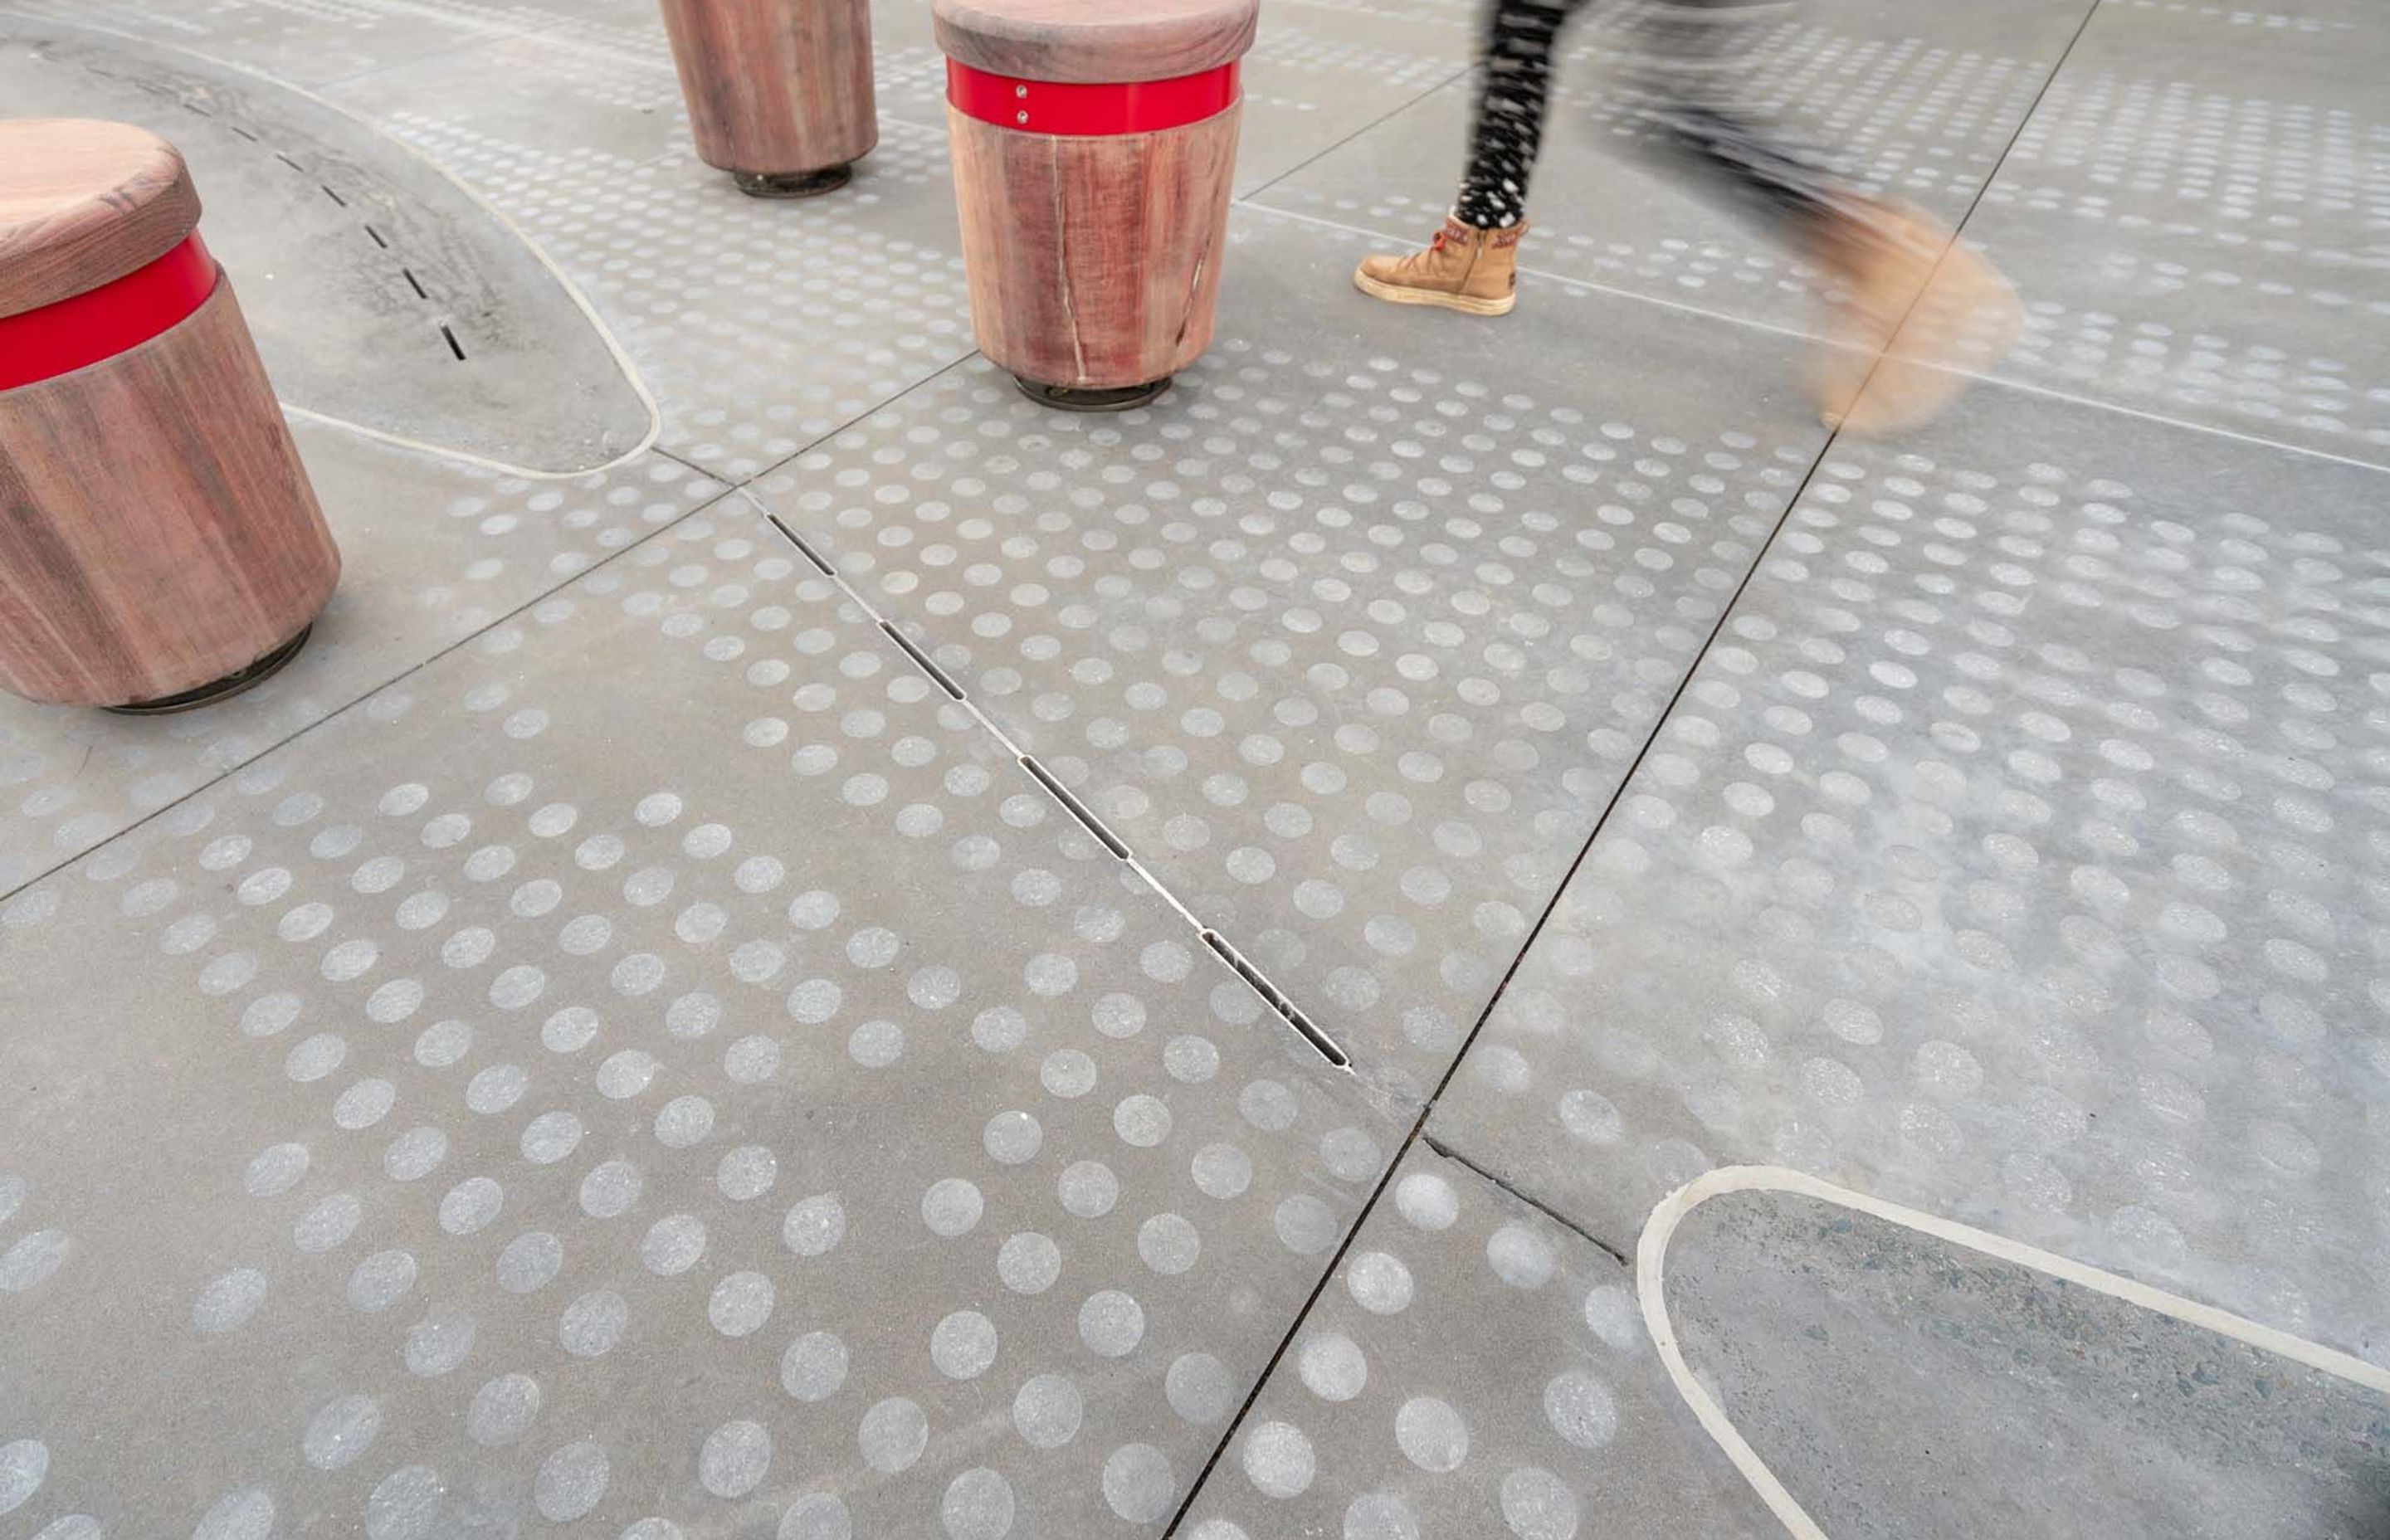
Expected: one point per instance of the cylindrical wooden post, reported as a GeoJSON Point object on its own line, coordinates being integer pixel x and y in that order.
{"type": "Point", "coordinates": [778, 91]}
{"type": "Point", "coordinates": [159, 544]}
{"type": "Point", "coordinates": [1094, 143]}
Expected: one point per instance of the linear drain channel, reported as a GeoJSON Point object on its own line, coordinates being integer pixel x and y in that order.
{"type": "Point", "coordinates": [793, 538]}
{"type": "Point", "coordinates": [1255, 980]}
{"type": "Point", "coordinates": [1330, 1049]}
{"type": "Point", "coordinates": [923, 662]}
{"type": "Point", "coordinates": [1076, 808]}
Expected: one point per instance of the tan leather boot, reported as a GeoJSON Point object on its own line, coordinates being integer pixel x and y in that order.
{"type": "Point", "coordinates": [1922, 316]}
{"type": "Point", "coordinates": [1472, 271]}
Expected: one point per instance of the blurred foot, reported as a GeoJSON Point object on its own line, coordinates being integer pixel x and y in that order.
{"type": "Point", "coordinates": [1472, 271]}
{"type": "Point", "coordinates": [1911, 334]}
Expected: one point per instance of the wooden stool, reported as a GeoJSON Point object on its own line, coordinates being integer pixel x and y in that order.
{"type": "Point", "coordinates": [778, 91]}
{"type": "Point", "coordinates": [159, 544]}
{"type": "Point", "coordinates": [1094, 143]}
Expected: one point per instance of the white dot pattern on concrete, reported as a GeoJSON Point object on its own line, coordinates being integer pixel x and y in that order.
{"type": "Point", "coordinates": [569, 1081]}
{"type": "Point", "coordinates": [2009, 855]}
{"type": "Point", "coordinates": [1506, 1389]}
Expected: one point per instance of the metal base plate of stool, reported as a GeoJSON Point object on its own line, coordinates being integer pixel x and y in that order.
{"type": "Point", "coordinates": [798, 183]}
{"type": "Point", "coordinates": [1069, 398]}
{"type": "Point", "coordinates": [225, 689]}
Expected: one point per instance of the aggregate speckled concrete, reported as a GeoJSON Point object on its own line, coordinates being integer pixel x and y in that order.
{"type": "Point", "coordinates": [776, 967]}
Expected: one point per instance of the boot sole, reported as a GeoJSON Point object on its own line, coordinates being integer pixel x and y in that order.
{"type": "Point", "coordinates": [1464, 304]}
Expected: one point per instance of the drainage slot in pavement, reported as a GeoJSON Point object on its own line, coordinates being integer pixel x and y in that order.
{"type": "Point", "coordinates": [1275, 998]}
{"type": "Point", "coordinates": [453, 346]}
{"type": "Point", "coordinates": [921, 660]}
{"type": "Point", "coordinates": [793, 538]}
{"type": "Point", "coordinates": [1076, 808]}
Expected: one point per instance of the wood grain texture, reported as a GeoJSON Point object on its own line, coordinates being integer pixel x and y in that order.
{"type": "Point", "coordinates": [1095, 42]}
{"type": "Point", "coordinates": [776, 87]}
{"type": "Point", "coordinates": [1094, 262]}
{"type": "Point", "coordinates": [82, 204]}
{"type": "Point", "coordinates": [157, 528]}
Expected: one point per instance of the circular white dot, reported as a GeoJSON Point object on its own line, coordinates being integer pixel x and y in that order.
{"type": "Point", "coordinates": [1048, 1411]}
{"type": "Point", "coordinates": [978, 1506]}
{"type": "Point", "coordinates": [741, 1304]}
{"type": "Point", "coordinates": [1580, 1410]}
{"type": "Point", "coordinates": [570, 1482]}
{"type": "Point", "coordinates": [1279, 1460]}
{"type": "Point", "coordinates": [735, 1458]}
{"type": "Point", "coordinates": [502, 1410]}
{"type": "Point", "coordinates": [814, 1367]}
{"type": "Point", "coordinates": [1431, 1435]}
{"type": "Point", "coordinates": [1112, 1324]}
{"type": "Point", "coordinates": [1138, 1485]}
{"type": "Point", "coordinates": [1201, 1389]}
{"type": "Point", "coordinates": [1427, 1200]}
{"type": "Point", "coordinates": [1333, 1367]}
{"type": "Point", "coordinates": [340, 1431]}
{"type": "Point", "coordinates": [1537, 1505]}
{"type": "Point", "coordinates": [892, 1435]}
{"type": "Point", "coordinates": [1379, 1283]}
{"type": "Point", "coordinates": [1520, 1257]}
{"type": "Point", "coordinates": [952, 1207]}
{"type": "Point", "coordinates": [963, 1345]}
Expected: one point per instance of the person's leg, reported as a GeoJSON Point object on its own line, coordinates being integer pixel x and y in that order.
{"type": "Point", "coordinates": [1473, 266]}
{"type": "Point", "coordinates": [1512, 94]}
{"type": "Point", "coordinates": [1689, 69]}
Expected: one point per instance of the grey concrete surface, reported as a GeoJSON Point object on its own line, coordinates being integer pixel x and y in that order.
{"type": "Point", "coordinates": [1452, 596]}
{"type": "Point", "coordinates": [1472, 1369]}
{"type": "Point", "coordinates": [664, 1062]}
{"type": "Point", "coordinates": [2014, 853]}
{"type": "Point", "coordinates": [1912, 1386]}
{"type": "Point", "coordinates": [612, 1043]}
{"type": "Point", "coordinates": [436, 553]}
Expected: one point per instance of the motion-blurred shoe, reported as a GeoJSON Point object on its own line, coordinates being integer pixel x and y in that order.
{"type": "Point", "coordinates": [1923, 316]}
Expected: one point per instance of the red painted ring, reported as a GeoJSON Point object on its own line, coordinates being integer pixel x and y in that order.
{"type": "Point", "coordinates": [1090, 111]}
{"type": "Point", "coordinates": [96, 325]}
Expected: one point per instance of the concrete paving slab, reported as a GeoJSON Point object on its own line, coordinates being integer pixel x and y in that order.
{"type": "Point", "coordinates": [1921, 101]}
{"type": "Point", "coordinates": [346, 247]}
{"type": "Point", "coordinates": [1349, 648]}
{"type": "Point", "coordinates": [2196, 219]}
{"type": "Point", "coordinates": [1472, 1369]}
{"type": "Point", "coordinates": [1899, 1386]}
{"type": "Point", "coordinates": [433, 552]}
{"type": "Point", "coordinates": [2013, 854]}
{"type": "Point", "coordinates": [664, 1065]}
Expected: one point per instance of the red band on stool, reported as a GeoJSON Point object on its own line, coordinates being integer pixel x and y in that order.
{"type": "Point", "coordinates": [100, 323]}
{"type": "Point", "coordinates": [1047, 107]}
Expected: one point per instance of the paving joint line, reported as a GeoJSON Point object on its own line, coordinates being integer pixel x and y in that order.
{"type": "Point", "coordinates": [370, 691]}
{"type": "Point", "coordinates": [1279, 1002]}
{"type": "Point", "coordinates": [1418, 1133]}
{"type": "Point", "coordinates": [1555, 1216]}
{"type": "Point", "coordinates": [1374, 123]}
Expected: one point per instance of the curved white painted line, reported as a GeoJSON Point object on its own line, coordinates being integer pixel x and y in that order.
{"type": "Point", "coordinates": [1650, 1255]}
{"type": "Point", "coordinates": [539, 254]}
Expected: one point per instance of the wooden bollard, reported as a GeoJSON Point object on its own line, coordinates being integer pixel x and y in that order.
{"type": "Point", "coordinates": [779, 92]}
{"type": "Point", "coordinates": [159, 544]}
{"type": "Point", "coordinates": [1094, 147]}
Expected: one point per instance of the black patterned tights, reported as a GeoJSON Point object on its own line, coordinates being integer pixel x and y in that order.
{"type": "Point", "coordinates": [1686, 64]}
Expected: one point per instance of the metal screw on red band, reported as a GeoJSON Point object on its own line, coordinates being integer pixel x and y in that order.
{"type": "Point", "coordinates": [1090, 111]}
{"type": "Point", "coordinates": [98, 324]}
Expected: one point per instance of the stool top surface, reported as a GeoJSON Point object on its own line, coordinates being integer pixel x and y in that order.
{"type": "Point", "coordinates": [83, 203]}
{"type": "Point", "coordinates": [1096, 41]}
